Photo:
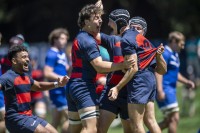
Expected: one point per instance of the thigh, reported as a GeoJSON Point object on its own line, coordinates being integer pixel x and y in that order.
{"type": "Point", "coordinates": [136, 112]}
{"type": "Point", "coordinates": [105, 120]}
{"type": "Point", "coordinates": [75, 124]}
{"type": "Point", "coordinates": [149, 112]}
{"type": "Point", "coordinates": [89, 116]}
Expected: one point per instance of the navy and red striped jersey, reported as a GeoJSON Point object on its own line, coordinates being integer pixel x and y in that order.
{"type": "Point", "coordinates": [113, 45]}
{"type": "Point", "coordinates": [16, 89]}
{"type": "Point", "coordinates": [84, 50]}
{"type": "Point", "coordinates": [135, 43]}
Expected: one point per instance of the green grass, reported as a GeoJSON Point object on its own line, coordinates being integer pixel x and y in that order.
{"type": "Point", "coordinates": [186, 124]}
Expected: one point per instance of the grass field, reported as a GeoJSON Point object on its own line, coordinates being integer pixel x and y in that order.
{"type": "Point", "coordinates": [186, 125]}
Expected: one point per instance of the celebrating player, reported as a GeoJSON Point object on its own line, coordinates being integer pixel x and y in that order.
{"type": "Point", "coordinates": [81, 95]}
{"type": "Point", "coordinates": [140, 78]}
{"type": "Point", "coordinates": [16, 85]}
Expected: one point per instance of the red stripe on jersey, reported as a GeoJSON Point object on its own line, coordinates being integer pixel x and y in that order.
{"type": "Point", "coordinates": [77, 63]}
{"type": "Point", "coordinates": [118, 44]}
{"type": "Point", "coordinates": [27, 112]}
{"type": "Point", "coordinates": [115, 79]}
{"type": "Point", "coordinates": [22, 80]}
{"type": "Point", "coordinates": [147, 53]}
{"type": "Point", "coordinates": [140, 40]}
{"type": "Point", "coordinates": [23, 97]}
{"type": "Point", "coordinates": [143, 64]}
{"type": "Point", "coordinates": [118, 59]}
{"type": "Point", "coordinates": [76, 75]}
{"type": "Point", "coordinates": [36, 95]}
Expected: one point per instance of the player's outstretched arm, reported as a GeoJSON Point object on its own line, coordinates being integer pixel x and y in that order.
{"type": "Point", "coordinates": [42, 86]}
{"type": "Point", "coordinates": [105, 67]}
{"type": "Point", "coordinates": [113, 93]}
{"type": "Point", "coordinates": [161, 67]}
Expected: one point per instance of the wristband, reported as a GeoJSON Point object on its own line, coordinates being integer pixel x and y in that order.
{"type": "Point", "coordinates": [56, 84]}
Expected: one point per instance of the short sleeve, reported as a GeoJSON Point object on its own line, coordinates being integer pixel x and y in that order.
{"type": "Point", "coordinates": [51, 59]}
{"type": "Point", "coordinates": [91, 51]}
{"type": "Point", "coordinates": [127, 47]}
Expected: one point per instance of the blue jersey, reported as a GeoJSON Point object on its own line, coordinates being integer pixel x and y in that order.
{"type": "Point", "coordinates": [113, 45]}
{"type": "Point", "coordinates": [135, 43]}
{"type": "Point", "coordinates": [84, 50]}
{"type": "Point", "coordinates": [173, 63]}
{"type": "Point", "coordinates": [16, 89]}
{"type": "Point", "coordinates": [57, 60]}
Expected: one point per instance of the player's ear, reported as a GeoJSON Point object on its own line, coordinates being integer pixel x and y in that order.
{"type": "Point", "coordinates": [86, 21]}
{"type": "Point", "coordinates": [14, 61]}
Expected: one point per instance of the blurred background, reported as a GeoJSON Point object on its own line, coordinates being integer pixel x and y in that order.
{"type": "Point", "coordinates": [35, 19]}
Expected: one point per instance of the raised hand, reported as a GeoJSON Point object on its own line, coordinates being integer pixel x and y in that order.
{"type": "Point", "coordinates": [99, 4]}
{"type": "Point", "coordinates": [160, 49]}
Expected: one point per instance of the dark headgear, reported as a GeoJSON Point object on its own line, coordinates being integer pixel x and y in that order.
{"type": "Point", "coordinates": [120, 17]}
{"type": "Point", "coordinates": [140, 21]}
{"type": "Point", "coordinates": [17, 40]}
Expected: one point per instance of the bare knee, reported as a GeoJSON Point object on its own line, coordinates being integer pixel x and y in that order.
{"type": "Point", "coordinates": [174, 118]}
